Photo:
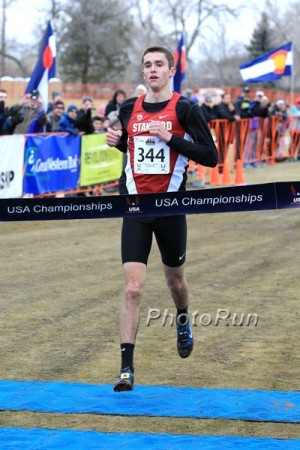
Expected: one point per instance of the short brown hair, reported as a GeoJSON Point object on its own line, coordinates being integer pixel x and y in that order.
{"type": "Point", "coordinates": [163, 50]}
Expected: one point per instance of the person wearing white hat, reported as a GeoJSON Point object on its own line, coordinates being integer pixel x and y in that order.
{"type": "Point", "coordinates": [140, 90]}
{"type": "Point", "coordinates": [259, 94]}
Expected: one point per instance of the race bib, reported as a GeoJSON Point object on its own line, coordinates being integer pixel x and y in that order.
{"type": "Point", "coordinates": [151, 155]}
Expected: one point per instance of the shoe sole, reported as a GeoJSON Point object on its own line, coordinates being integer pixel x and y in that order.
{"type": "Point", "coordinates": [122, 386]}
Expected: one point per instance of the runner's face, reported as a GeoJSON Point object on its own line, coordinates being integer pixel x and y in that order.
{"type": "Point", "coordinates": [156, 70]}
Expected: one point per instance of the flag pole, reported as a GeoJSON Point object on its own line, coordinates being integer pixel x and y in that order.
{"type": "Point", "coordinates": [186, 73]}
{"type": "Point", "coordinates": [292, 84]}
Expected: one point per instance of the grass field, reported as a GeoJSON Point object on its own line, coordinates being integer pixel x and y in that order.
{"type": "Point", "coordinates": [61, 285]}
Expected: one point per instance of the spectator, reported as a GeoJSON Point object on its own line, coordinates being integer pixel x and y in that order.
{"type": "Point", "coordinates": [265, 103]}
{"type": "Point", "coordinates": [55, 96]}
{"type": "Point", "coordinates": [242, 103]}
{"type": "Point", "coordinates": [140, 90]}
{"type": "Point", "coordinates": [226, 109]}
{"type": "Point", "coordinates": [101, 110]}
{"type": "Point", "coordinates": [3, 95]}
{"type": "Point", "coordinates": [259, 107]}
{"type": "Point", "coordinates": [243, 108]}
{"type": "Point", "coordinates": [295, 109]}
{"type": "Point", "coordinates": [112, 108]}
{"type": "Point", "coordinates": [207, 108]}
{"type": "Point", "coordinates": [114, 104]}
{"type": "Point", "coordinates": [68, 120]}
{"type": "Point", "coordinates": [30, 110]}
{"type": "Point", "coordinates": [4, 111]}
{"type": "Point", "coordinates": [100, 124]}
{"type": "Point", "coordinates": [255, 137]}
{"type": "Point", "coordinates": [84, 121]}
{"type": "Point", "coordinates": [279, 110]}
{"type": "Point", "coordinates": [295, 129]}
{"type": "Point", "coordinates": [9, 117]}
{"type": "Point", "coordinates": [192, 97]}
{"type": "Point", "coordinates": [54, 116]}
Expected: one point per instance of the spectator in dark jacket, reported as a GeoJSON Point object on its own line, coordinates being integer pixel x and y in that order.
{"type": "Point", "coordinates": [54, 116]}
{"type": "Point", "coordinates": [242, 103]}
{"type": "Point", "coordinates": [226, 109]}
{"type": "Point", "coordinates": [9, 117]}
{"type": "Point", "coordinates": [56, 96]}
{"type": "Point", "coordinates": [208, 109]}
{"type": "Point", "coordinates": [258, 107]}
{"type": "Point", "coordinates": [84, 121]}
{"type": "Point", "coordinates": [115, 103]}
{"type": "Point", "coordinates": [68, 120]}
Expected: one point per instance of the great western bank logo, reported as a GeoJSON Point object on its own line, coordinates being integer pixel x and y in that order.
{"type": "Point", "coordinates": [133, 205]}
{"type": "Point", "coordinates": [295, 196]}
{"type": "Point", "coordinates": [30, 160]}
{"type": "Point", "coordinates": [36, 165]}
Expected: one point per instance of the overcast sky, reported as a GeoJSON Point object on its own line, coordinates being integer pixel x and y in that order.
{"type": "Point", "coordinates": [24, 14]}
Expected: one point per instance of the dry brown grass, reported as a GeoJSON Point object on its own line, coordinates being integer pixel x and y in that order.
{"type": "Point", "coordinates": [61, 286]}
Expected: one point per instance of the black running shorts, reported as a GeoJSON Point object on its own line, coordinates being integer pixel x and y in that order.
{"type": "Point", "coordinates": [170, 233]}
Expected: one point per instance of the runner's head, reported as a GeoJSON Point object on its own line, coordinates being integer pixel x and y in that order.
{"type": "Point", "coordinates": [165, 51]}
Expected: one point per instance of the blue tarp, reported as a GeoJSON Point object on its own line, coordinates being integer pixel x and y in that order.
{"type": "Point", "coordinates": [164, 401]}
{"type": "Point", "coordinates": [26, 438]}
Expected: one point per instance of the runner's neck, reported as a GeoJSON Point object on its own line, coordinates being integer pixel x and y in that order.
{"type": "Point", "coordinates": [158, 97]}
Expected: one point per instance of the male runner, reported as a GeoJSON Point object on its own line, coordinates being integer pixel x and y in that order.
{"type": "Point", "coordinates": [177, 131]}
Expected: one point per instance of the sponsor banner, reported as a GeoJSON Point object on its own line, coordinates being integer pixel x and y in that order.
{"type": "Point", "coordinates": [226, 199]}
{"type": "Point", "coordinates": [51, 163]}
{"type": "Point", "coordinates": [11, 166]}
{"type": "Point", "coordinates": [99, 162]}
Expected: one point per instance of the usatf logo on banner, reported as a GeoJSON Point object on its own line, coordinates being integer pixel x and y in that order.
{"type": "Point", "coordinates": [133, 205]}
{"type": "Point", "coordinates": [296, 196]}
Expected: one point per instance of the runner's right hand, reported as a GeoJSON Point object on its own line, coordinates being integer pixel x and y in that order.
{"type": "Point", "coordinates": [113, 137]}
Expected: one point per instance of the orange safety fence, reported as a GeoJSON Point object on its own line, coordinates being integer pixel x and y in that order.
{"type": "Point", "coordinates": [251, 143]}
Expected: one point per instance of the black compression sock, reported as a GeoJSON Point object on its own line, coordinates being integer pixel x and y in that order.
{"type": "Point", "coordinates": [127, 356]}
{"type": "Point", "coordinates": [183, 313]}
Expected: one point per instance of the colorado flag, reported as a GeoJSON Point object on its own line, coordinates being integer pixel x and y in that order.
{"type": "Point", "coordinates": [270, 66]}
{"type": "Point", "coordinates": [45, 67]}
{"type": "Point", "coordinates": [180, 64]}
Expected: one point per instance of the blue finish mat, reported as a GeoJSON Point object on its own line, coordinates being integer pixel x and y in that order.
{"type": "Point", "coordinates": [164, 401]}
{"type": "Point", "coordinates": [26, 438]}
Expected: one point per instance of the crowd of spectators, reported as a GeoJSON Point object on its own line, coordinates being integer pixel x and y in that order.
{"type": "Point", "coordinates": [28, 115]}
{"type": "Point", "coordinates": [245, 107]}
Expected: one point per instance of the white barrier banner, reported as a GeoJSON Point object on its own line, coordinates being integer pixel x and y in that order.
{"type": "Point", "coordinates": [11, 166]}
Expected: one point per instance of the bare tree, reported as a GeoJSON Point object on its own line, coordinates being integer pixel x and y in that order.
{"type": "Point", "coordinates": [177, 16]}
{"type": "Point", "coordinates": [4, 55]}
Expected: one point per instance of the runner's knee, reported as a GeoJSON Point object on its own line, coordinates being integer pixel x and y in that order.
{"type": "Point", "coordinates": [133, 290]}
{"type": "Point", "coordinates": [176, 283]}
